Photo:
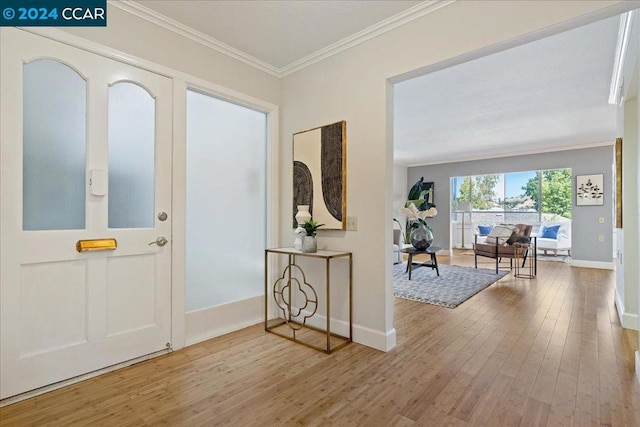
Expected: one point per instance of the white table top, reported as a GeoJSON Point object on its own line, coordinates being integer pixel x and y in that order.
{"type": "Point", "coordinates": [321, 253]}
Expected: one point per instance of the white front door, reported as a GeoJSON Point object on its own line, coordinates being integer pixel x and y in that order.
{"type": "Point", "coordinates": [85, 150]}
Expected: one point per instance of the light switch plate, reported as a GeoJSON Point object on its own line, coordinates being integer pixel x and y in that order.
{"type": "Point", "coordinates": [601, 220]}
{"type": "Point", "coordinates": [352, 223]}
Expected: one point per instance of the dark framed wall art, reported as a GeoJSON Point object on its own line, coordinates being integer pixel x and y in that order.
{"type": "Point", "coordinates": [320, 174]}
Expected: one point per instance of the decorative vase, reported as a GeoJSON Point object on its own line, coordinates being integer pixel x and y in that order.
{"type": "Point", "coordinates": [421, 237]}
{"type": "Point", "coordinates": [303, 214]}
{"type": "Point", "coordinates": [309, 244]}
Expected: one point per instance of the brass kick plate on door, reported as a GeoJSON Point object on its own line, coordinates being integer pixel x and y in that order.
{"type": "Point", "coordinates": [96, 245]}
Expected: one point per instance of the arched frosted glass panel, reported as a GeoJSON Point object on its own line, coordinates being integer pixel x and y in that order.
{"type": "Point", "coordinates": [54, 147]}
{"type": "Point", "coordinates": [131, 157]}
{"type": "Point", "coordinates": [226, 202]}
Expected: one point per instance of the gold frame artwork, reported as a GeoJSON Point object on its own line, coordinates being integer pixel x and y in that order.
{"type": "Point", "coordinates": [320, 174]}
{"type": "Point", "coordinates": [618, 182]}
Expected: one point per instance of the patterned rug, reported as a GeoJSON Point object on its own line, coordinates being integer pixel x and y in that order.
{"type": "Point", "coordinates": [453, 287]}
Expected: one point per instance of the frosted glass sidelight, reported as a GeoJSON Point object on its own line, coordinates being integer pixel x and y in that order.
{"type": "Point", "coordinates": [226, 202]}
{"type": "Point", "coordinates": [54, 147]}
{"type": "Point", "coordinates": [131, 157]}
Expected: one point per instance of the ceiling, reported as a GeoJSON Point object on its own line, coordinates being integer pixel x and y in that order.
{"type": "Point", "coordinates": [280, 34]}
{"type": "Point", "coordinates": [547, 95]}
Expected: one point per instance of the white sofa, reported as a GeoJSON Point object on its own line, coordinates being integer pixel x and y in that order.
{"type": "Point", "coordinates": [561, 243]}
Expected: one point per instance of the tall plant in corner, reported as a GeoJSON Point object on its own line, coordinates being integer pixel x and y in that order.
{"type": "Point", "coordinates": [418, 196]}
{"type": "Point", "coordinates": [416, 209]}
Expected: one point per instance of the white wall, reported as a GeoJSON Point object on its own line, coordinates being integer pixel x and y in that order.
{"type": "Point", "coordinates": [619, 248]}
{"type": "Point", "coordinates": [353, 86]}
{"type": "Point", "coordinates": [627, 251]}
{"type": "Point", "coordinates": [135, 36]}
{"type": "Point", "coordinates": [400, 191]}
{"type": "Point", "coordinates": [630, 256]}
{"type": "Point", "coordinates": [636, 76]}
{"type": "Point", "coordinates": [628, 301]}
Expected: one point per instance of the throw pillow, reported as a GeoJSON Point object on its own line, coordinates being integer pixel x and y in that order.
{"type": "Point", "coordinates": [514, 236]}
{"type": "Point", "coordinates": [500, 234]}
{"type": "Point", "coordinates": [484, 230]}
{"type": "Point", "coordinates": [550, 232]}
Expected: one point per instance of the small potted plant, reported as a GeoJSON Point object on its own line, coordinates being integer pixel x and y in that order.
{"type": "Point", "coordinates": [309, 242]}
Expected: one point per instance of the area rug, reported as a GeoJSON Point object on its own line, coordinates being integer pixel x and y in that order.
{"type": "Point", "coordinates": [453, 287]}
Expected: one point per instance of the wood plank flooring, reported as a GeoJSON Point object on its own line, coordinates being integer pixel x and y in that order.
{"type": "Point", "coordinates": [548, 351]}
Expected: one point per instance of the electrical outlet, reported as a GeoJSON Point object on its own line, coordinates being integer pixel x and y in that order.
{"type": "Point", "coordinates": [601, 220]}
{"type": "Point", "coordinates": [601, 238]}
{"type": "Point", "coordinates": [352, 223]}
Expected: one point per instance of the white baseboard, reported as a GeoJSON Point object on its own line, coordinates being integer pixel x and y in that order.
{"type": "Point", "coordinates": [212, 322]}
{"type": "Point", "coordinates": [592, 264]}
{"type": "Point", "coordinates": [638, 365]}
{"type": "Point", "coordinates": [627, 320]}
{"type": "Point", "coordinates": [361, 335]}
{"type": "Point", "coordinates": [374, 339]}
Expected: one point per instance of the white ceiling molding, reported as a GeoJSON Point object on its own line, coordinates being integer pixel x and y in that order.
{"type": "Point", "coordinates": [615, 92]}
{"type": "Point", "coordinates": [188, 32]}
{"type": "Point", "coordinates": [388, 24]}
{"type": "Point", "coordinates": [510, 154]}
{"type": "Point", "coordinates": [381, 27]}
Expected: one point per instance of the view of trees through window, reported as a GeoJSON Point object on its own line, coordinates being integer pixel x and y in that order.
{"type": "Point", "coordinates": [520, 196]}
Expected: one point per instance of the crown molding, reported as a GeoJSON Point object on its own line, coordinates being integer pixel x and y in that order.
{"type": "Point", "coordinates": [195, 35]}
{"type": "Point", "coordinates": [375, 30]}
{"type": "Point", "coordinates": [381, 27]}
{"type": "Point", "coordinates": [511, 154]}
{"type": "Point", "coordinates": [615, 91]}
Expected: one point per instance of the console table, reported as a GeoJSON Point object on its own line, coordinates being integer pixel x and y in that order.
{"type": "Point", "coordinates": [290, 285]}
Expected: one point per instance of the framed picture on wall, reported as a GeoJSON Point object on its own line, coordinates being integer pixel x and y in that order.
{"type": "Point", "coordinates": [589, 190]}
{"type": "Point", "coordinates": [320, 174]}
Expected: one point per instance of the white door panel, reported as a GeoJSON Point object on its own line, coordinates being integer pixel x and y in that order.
{"type": "Point", "coordinates": [64, 313]}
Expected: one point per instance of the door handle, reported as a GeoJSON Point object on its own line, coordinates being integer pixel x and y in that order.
{"type": "Point", "coordinates": [160, 241]}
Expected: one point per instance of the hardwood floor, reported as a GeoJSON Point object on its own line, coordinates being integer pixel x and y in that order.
{"type": "Point", "coordinates": [548, 351]}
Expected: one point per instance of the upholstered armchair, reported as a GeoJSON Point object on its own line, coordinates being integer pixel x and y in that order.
{"type": "Point", "coordinates": [500, 244]}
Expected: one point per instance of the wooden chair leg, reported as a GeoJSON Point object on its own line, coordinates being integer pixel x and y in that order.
{"type": "Point", "coordinates": [476, 259]}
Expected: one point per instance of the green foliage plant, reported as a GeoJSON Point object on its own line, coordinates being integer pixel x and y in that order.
{"type": "Point", "coordinates": [556, 191]}
{"type": "Point", "coordinates": [311, 227]}
{"type": "Point", "coordinates": [419, 197]}
{"type": "Point", "coordinates": [480, 191]}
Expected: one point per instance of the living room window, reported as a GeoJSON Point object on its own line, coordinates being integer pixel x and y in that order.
{"type": "Point", "coordinates": [516, 197]}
